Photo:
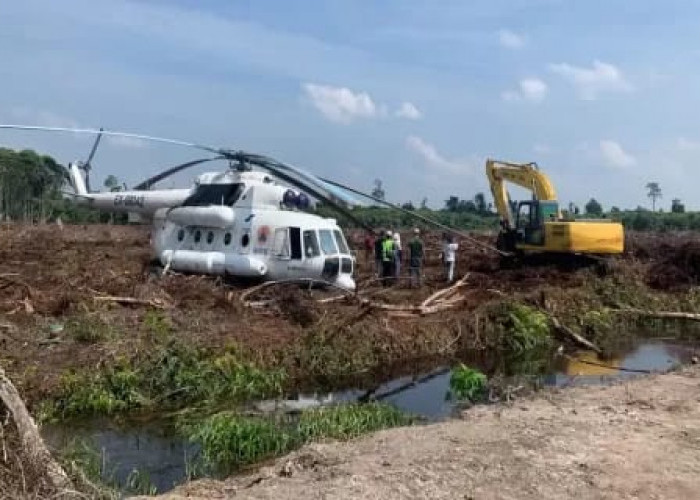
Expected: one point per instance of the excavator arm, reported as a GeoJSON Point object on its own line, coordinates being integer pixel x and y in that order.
{"type": "Point", "coordinates": [526, 175]}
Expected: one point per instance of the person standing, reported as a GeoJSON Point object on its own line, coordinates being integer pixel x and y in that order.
{"type": "Point", "coordinates": [398, 254]}
{"type": "Point", "coordinates": [378, 252]}
{"type": "Point", "coordinates": [449, 255]}
{"type": "Point", "coordinates": [388, 257]}
{"type": "Point", "coordinates": [415, 253]}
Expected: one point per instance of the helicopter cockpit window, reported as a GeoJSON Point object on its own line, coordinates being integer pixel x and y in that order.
{"type": "Point", "coordinates": [341, 242]}
{"type": "Point", "coordinates": [311, 248]}
{"type": "Point", "coordinates": [327, 242]}
{"type": "Point", "coordinates": [214, 194]}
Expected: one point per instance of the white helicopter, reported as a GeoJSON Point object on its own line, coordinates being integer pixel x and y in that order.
{"type": "Point", "coordinates": [242, 222]}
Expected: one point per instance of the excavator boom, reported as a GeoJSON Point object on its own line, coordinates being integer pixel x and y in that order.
{"type": "Point", "coordinates": [526, 175]}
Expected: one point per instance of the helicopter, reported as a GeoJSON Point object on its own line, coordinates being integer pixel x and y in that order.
{"type": "Point", "coordinates": [249, 222]}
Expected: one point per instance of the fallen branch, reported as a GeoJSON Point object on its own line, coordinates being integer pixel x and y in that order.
{"type": "Point", "coordinates": [445, 291]}
{"type": "Point", "coordinates": [29, 435]}
{"type": "Point", "coordinates": [660, 314]}
{"type": "Point", "coordinates": [565, 330]}
{"type": "Point", "coordinates": [156, 303]}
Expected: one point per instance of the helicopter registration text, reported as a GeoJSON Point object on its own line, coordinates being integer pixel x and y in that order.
{"type": "Point", "coordinates": [129, 200]}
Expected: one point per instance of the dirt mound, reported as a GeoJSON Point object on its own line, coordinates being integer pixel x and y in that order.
{"type": "Point", "coordinates": [678, 268]}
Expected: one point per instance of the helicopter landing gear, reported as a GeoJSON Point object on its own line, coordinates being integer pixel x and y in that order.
{"type": "Point", "coordinates": [154, 269]}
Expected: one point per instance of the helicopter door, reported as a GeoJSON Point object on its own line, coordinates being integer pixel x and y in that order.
{"type": "Point", "coordinates": [295, 242]}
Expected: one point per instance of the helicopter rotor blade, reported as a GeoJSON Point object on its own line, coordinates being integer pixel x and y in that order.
{"type": "Point", "coordinates": [319, 195]}
{"type": "Point", "coordinates": [111, 133]}
{"type": "Point", "coordinates": [412, 213]}
{"type": "Point", "coordinates": [88, 162]}
{"type": "Point", "coordinates": [171, 171]}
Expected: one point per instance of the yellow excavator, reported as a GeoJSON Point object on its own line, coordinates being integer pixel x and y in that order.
{"type": "Point", "coordinates": [537, 226]}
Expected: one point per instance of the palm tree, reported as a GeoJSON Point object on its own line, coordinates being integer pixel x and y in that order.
{"type": "Point", "coordinates": [654, 193]}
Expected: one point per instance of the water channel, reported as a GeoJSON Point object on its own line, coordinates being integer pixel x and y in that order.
{"type": "Point", "coordinates": [166, 459]}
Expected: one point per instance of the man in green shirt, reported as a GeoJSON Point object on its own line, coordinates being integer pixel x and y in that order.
{"type": "Point", "coordinates": [416, 255]}
{"type": "Point", "coordinates": [388, 259]}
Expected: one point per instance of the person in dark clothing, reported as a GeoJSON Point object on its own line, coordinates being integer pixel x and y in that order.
{"type": "Point", "coordinates": [415, 266]}
{"type": "Point", "coordinates": [368, 247]}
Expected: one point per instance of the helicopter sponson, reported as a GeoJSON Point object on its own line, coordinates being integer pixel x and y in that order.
{"type": "Point", "coordinates": [244, 224]}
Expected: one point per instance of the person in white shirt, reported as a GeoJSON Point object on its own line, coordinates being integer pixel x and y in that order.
{"type": "Point", "coordinates": [398, 253]}
{"type": "Point", "coordinates": [449, 256]}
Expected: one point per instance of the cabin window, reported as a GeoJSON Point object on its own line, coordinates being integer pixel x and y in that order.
{"type": "Point", "coordinates": [197, 236]}
{"type": "Point", "coordinates": [227, 239]}
{"type": "Point", "coordinates": [181, 235]}
{"type": "Point", "coordinates": [327, 243]}
{"type": "Point", "coordinates": [311, 244]}
{"type": "Point", "coordinates": [341, 242]}
{"type": "Point", "coordinates": [245, 240]}
{"type": "Point", "coordinates": [210, 237]}
{"type": "Point", "coordinates": [295, 242]}
{"type": "Point", "coordinates": [280, 245]}
{"type": "Point", "coordinates": [214, 194]}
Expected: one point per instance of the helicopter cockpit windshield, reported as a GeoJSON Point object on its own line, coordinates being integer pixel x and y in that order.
{"type": "Point", "coordinates": [215, 194]}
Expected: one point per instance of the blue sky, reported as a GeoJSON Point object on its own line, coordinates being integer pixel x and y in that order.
{"type": "Point", "coordinates": [602, 95]}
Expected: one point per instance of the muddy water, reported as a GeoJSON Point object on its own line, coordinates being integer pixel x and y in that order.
{"type": "Point", "coordinates": [166, 459]}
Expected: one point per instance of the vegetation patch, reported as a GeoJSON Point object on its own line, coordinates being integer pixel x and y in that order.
{"type": "Point", "coordinates": [230, 441]}
{"type": "Point", "coordinates": [524, 328]}
{"type": "Point", "coordinates": [171, 376]}
{"type": "Point", "coordinates": [349, 421]}
{"type": "Point", "coordinates": [467, 384]}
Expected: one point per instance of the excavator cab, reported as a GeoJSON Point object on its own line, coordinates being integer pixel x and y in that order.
{"type": "Point", "coordinates": [531, 216]}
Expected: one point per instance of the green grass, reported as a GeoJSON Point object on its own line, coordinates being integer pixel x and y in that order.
{"type": "Point", "coordinates": [88, 329]}
{"type": "Point", "coordinates": [171, 376]}
{"type": "Point", "coordinates": [349, 421]}
{"type": "Point", "coordinates": [230, 441]}
{"type": "Point", "coordinates": [526, 328]}
{"type": "Point", "coordinates": [467, 384]}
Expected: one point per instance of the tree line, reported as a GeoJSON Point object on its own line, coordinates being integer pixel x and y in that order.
{"type": "Point", "coordinates": [32, 189]}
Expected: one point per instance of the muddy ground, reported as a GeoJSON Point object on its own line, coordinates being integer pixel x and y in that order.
{"type": "Point", "coordinates": [53, 280]}
{"type": "Point", "coordinates": [635, 440]}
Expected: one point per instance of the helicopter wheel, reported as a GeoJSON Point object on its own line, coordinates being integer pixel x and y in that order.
{"type": "Point", "coordinates": [154, 269]}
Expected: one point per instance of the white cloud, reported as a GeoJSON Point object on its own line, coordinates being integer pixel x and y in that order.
{"type": "Point", "coordinates": [531, 89]}
{"type": "Point", "coordinates": [541, 149]}
{"type": "Point", "coordinates": [409, 111]}
{"type": "Point", "coordinates": [614, 156]}
{"type": "Point", "coordinates": [433, 158]}
{"type": "Point", "coordinates": [684, 144]}
{"type": "Point", "coordinates": [340, 104]}
{"type": "Point", "coordinates": [590, 82]}
{"type": "Point", "coordinates": [511, 40]}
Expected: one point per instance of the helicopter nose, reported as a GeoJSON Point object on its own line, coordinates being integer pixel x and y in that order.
{"type": "Point", "coordinates": [345, 281]}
